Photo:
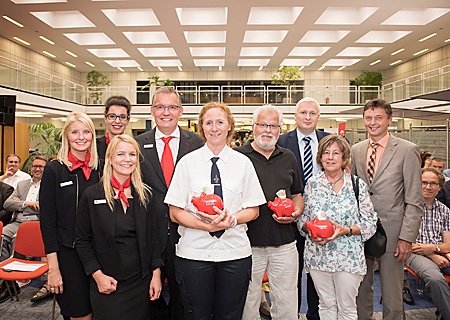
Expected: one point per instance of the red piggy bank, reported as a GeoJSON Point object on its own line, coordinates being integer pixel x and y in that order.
{"type": "Point", "coordinates": [205, 202]}
{"type": "Point", "coordinates": [320, 228]}
{"type": "Point", "coordinates": [282, 207]}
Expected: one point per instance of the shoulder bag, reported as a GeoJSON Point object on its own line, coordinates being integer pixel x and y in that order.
{"type": "Point", "coordinates": [375, 246]}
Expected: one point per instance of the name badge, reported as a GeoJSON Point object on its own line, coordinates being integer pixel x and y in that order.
{"type": "Point", "coordinates": [65, 184]}
{"type": "Point", "coordinates": [148, 146]}
{"type": "Point", "coordinates": [100, 201]}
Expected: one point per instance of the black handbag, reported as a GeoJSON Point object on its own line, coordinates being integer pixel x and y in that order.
{"type": "Point", "coordinates": [375, 246]}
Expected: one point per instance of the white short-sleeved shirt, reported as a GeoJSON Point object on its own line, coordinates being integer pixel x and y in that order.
{"type": "Point", "coordinates": [16, 178]}
{"type": "Point", "coordinates": [241, 189]}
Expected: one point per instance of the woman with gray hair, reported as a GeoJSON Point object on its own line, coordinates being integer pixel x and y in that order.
{"type": "Point", "coordinates": [337, 263]}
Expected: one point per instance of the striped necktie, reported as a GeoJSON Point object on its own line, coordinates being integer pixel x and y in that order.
{"type": "Point", "coordinates": [307, 159]}
{"type": "Point", "coordinates": [372, 160]}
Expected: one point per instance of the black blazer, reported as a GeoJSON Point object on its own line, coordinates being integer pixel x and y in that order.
{"type": "Point", "coordinates": [58, 201]}
{"type": "Point", "coordinates": [5, 191]}
{"type": "Point", "coordinates": [101, 147]}
{"type": "Point", "coordinates": [153, 176]}
{"type": "Point", "coordinates": [95, 235]}
{"type": "Point", "coordinates": [289, 140]}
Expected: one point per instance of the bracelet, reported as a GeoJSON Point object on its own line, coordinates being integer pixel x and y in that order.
{"type": "Point", "coordinates": [234, 221]}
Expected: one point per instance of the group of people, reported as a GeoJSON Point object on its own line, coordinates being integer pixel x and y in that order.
{"type": "Point", "coordinates": [117, 216]}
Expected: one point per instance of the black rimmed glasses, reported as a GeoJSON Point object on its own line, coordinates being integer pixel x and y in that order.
{"type": "Point", "coordinates": [113, 117]}
{"type": "Point", "coordinates": [264, 126]}
{"type": "Point", "coordinates": [160, 107]}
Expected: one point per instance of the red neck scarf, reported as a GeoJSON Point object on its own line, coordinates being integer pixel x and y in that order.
{"type": "Point", "coordinates": [108, 140]}
{"type": "Point", "coordinates": [121, 187]}
{"type": "Point", "coordinates": [84, 165]}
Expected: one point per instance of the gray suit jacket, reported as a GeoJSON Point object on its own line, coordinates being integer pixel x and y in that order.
{"type": "Point", "coordinates": [20, 192]}
{"type": "Point", "coordinates": [396, 188]}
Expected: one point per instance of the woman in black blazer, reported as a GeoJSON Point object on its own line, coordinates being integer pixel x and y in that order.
{"type": "Point", "coordinates": [116, 237]}
{"type": "Point", "coordinates": [63, 182]}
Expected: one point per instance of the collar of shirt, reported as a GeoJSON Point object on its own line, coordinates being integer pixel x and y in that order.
{"type": "Point", "coordinates": [313, 137]}
{"type": "Point", "coordinates": [174, 143]}
{"type": "Point", "coordinates": [223, 155]}
{"type": "Point", "coordinates": [382, 142]}
{"type": "Point", "coordinates": [159, 134]}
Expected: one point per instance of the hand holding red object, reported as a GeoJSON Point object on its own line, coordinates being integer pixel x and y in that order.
{"type": "Point", "coordinates": [205, 203]}
{"type": "Point", "coordinates": [282, 207]}
{"type": "Point", "coordinates": [320, 228]}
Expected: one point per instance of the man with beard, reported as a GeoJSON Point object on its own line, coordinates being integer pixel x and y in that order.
{"type": "Point", "coordinates": [272, 237]}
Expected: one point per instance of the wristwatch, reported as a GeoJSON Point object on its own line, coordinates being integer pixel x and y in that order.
{"type": "Point", "coordinates": [350, 233]}
{"type": "Point", "coordinates": [437, 248]}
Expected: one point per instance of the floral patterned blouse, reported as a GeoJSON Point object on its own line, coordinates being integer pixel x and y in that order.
{"type": "Point", "coordinates": [321, 201]}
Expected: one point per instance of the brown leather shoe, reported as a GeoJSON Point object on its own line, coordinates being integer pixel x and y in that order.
{"type": "Point", "coordinates": [42, 294]}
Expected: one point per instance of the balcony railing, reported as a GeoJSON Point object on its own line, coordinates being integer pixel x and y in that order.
{"type": "Point", "coordinates": [20, 76]}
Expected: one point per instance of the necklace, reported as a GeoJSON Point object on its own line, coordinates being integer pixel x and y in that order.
{"type": "Point", "coordinates": [340, 177]}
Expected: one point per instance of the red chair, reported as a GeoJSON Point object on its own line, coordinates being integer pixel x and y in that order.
{"type": "Point", "coordinates": [1, 236]}
{"type": "Point", "coordinates": [28, 243]}
{"type": "Point", "coordinates": [415, 275]}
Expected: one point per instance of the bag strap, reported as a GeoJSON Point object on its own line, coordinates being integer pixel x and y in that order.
{"type": "Point", "coordinates": [355, 185]}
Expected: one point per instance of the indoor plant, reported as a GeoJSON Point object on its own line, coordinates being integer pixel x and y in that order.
{"type": "Point", "coordinates": [96, 82]}
{"type": "Point", "coordinates": [284, 76]}
{"type": "Point", "coordinates": [369, 79]}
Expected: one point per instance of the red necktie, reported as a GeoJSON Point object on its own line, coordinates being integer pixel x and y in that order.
{"type": "Point", "coordinates": [77, 163]}
{"type": "Point", "coordinates": [167, 161]}
{"type": "Point", "coordinates": [108, 140]}
{"type": "Point", "coordinates": [121, 187]}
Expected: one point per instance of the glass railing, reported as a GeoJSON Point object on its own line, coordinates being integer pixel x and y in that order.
{"type": "Point", "coordinates": [20, 76]}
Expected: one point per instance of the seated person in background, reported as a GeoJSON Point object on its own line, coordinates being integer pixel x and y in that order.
{"type": "Point", "coordinates": [5, 192]}
{"type": "Point", "coordinates": [13, 175]}
{"type": "Point", "coordinates": [25, 205]}
{"type": "Point", "coordinates": [428, 258]}
{"type": "Point", "coordinates": [443, 194]}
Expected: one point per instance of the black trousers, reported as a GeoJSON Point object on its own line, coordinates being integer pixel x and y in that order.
{"type": "Point", "coordinates": [213, 290]}
{"type": "Point", "coordinates": [311, 294]}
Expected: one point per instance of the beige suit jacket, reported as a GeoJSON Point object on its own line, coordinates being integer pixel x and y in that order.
{"type": "Point", "coordinates": [396, 188]}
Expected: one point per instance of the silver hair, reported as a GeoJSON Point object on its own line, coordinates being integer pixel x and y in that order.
{"type": "Point", "coordinates": [267, 108]}
{"type": "Point", "coordinates": [307, 99]}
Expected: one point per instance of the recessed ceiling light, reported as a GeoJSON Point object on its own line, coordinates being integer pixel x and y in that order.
{"type": "Point", "coordinates": [71, 54]}
{"type": "Point", "coordinates": [140, 69]}
{"type": "Point", "coordinates": [160, 69]}
{"type": "Point", "coordinates": [324, 36]}
{"type": "Point", "coordinates": [205, 36]}
{"type": "Point", "coordinates": [448, 40]}
{"type": "Point", "coordinates": [209, 62]}
{"type": "Point", "coordinates": [358, 51]}
{"type": "Point", "coordinates": [395, 62]}
{"type": "Point", "coordinates": [297, 62]}
{"type": "Point", "coordinates": [36, 1]}
{"type": "Point", "coordinates": [202, 16]}
{"type": "Point", "coordinates": [341, 68]}
{"type": "Point", "coordinates": [419, 52]}
{"type": "Point", "coordinates": [428, 37]}
{"type": "Point", "coordinates": [398, 51]}
{"type": "Point", "coordinates": [258, 51]}
{"type": "Point", "coordinates": [341, 62]}
{"type": "Point", "coordinates": [166, 63]}
{"type": "Point", "coordinates": [119, 68]}
{"type": "Point", "coordinates": [46, 40]}
{"type": "Point", "coordinates": [89, 39]}
{"type": "Point", "coordinates": [207, 51]}
{"type": "Point", "coordinates": [253, 62]}
{"type": "Point", "coordinates": [147, 37]}
{"type": "Point", "coordinates": [21, 41]}
{"type": "Point", "coordinates": [29, 114]}
{"type": "Point", "coordinates": [49, 54]}
{"type": "Point", "coordinates": [375, 62]}
{"type": "Point", "coordinates": [71, 64]}
{"type": "Point", "coordinates": [220, 68]}
{"type": "Point", "coordinates": [273, 15]}
{"type": "Point", "coordinates": [90, 64]}
{"type": "Point", "coordinates": [132, 17]}
{"type": "Point", "coordinates": [345, 16]}
{"type": "Point", "coordinates": [64, 19]}
{"type": "Point", "coordinates": [416, 16]}
{"type": "Point", "coordinates": [158, 52]}
{"type": "Point", "coordinates": [308, 51]}
{"type": "Point", "coordinates": [180, 69]}
{"type": "Point", "coordinates": [260, 68]}
{"type": "Point", "coordinates": [123, 63]}
{"type": "Point", "coordinates": [109, 53]}
{"type": "Point", "coordinates": [382, 36]}
{"type": "Point", "coordinates": [264, 36]}
{"type": "Point", "coordinates": [321, 68]}
{"type": "Point", "coordinates": [13, 21]}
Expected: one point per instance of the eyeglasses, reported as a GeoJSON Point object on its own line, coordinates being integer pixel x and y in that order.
{"type": "Point", "coordinates": [432, 184]}
{"type": "Point", "coordinates": [38, 167]}
{"type": "Point", "coordinates": [113, 117]}
{"type": "Point", "coordinates": [170, 108]}
{"type": "Point", "coordinates": [264, 126]}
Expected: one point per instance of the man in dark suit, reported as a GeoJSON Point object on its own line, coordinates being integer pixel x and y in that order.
{"type": "Point", "coordinates": [117, 117]}
{"type": "Point", "coordinates": [5, 192]}
{"type": "Point", "coordinates": [306, 117]}
{"type": "Point", "coordinates": [166, 110]}
{"type": "Point", "coordinates": [390, 167]}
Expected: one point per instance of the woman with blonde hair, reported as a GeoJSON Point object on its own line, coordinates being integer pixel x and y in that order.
{"type": "Point", "coordinates": [62, 185]}
{"type": "Point", "coordinates": [213, 256]}
{"type": "Point", "coordinates": [116, 237]}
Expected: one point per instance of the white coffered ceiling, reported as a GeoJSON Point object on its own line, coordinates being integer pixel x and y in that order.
{"type": "Point", "coordinates": [204, 34]}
